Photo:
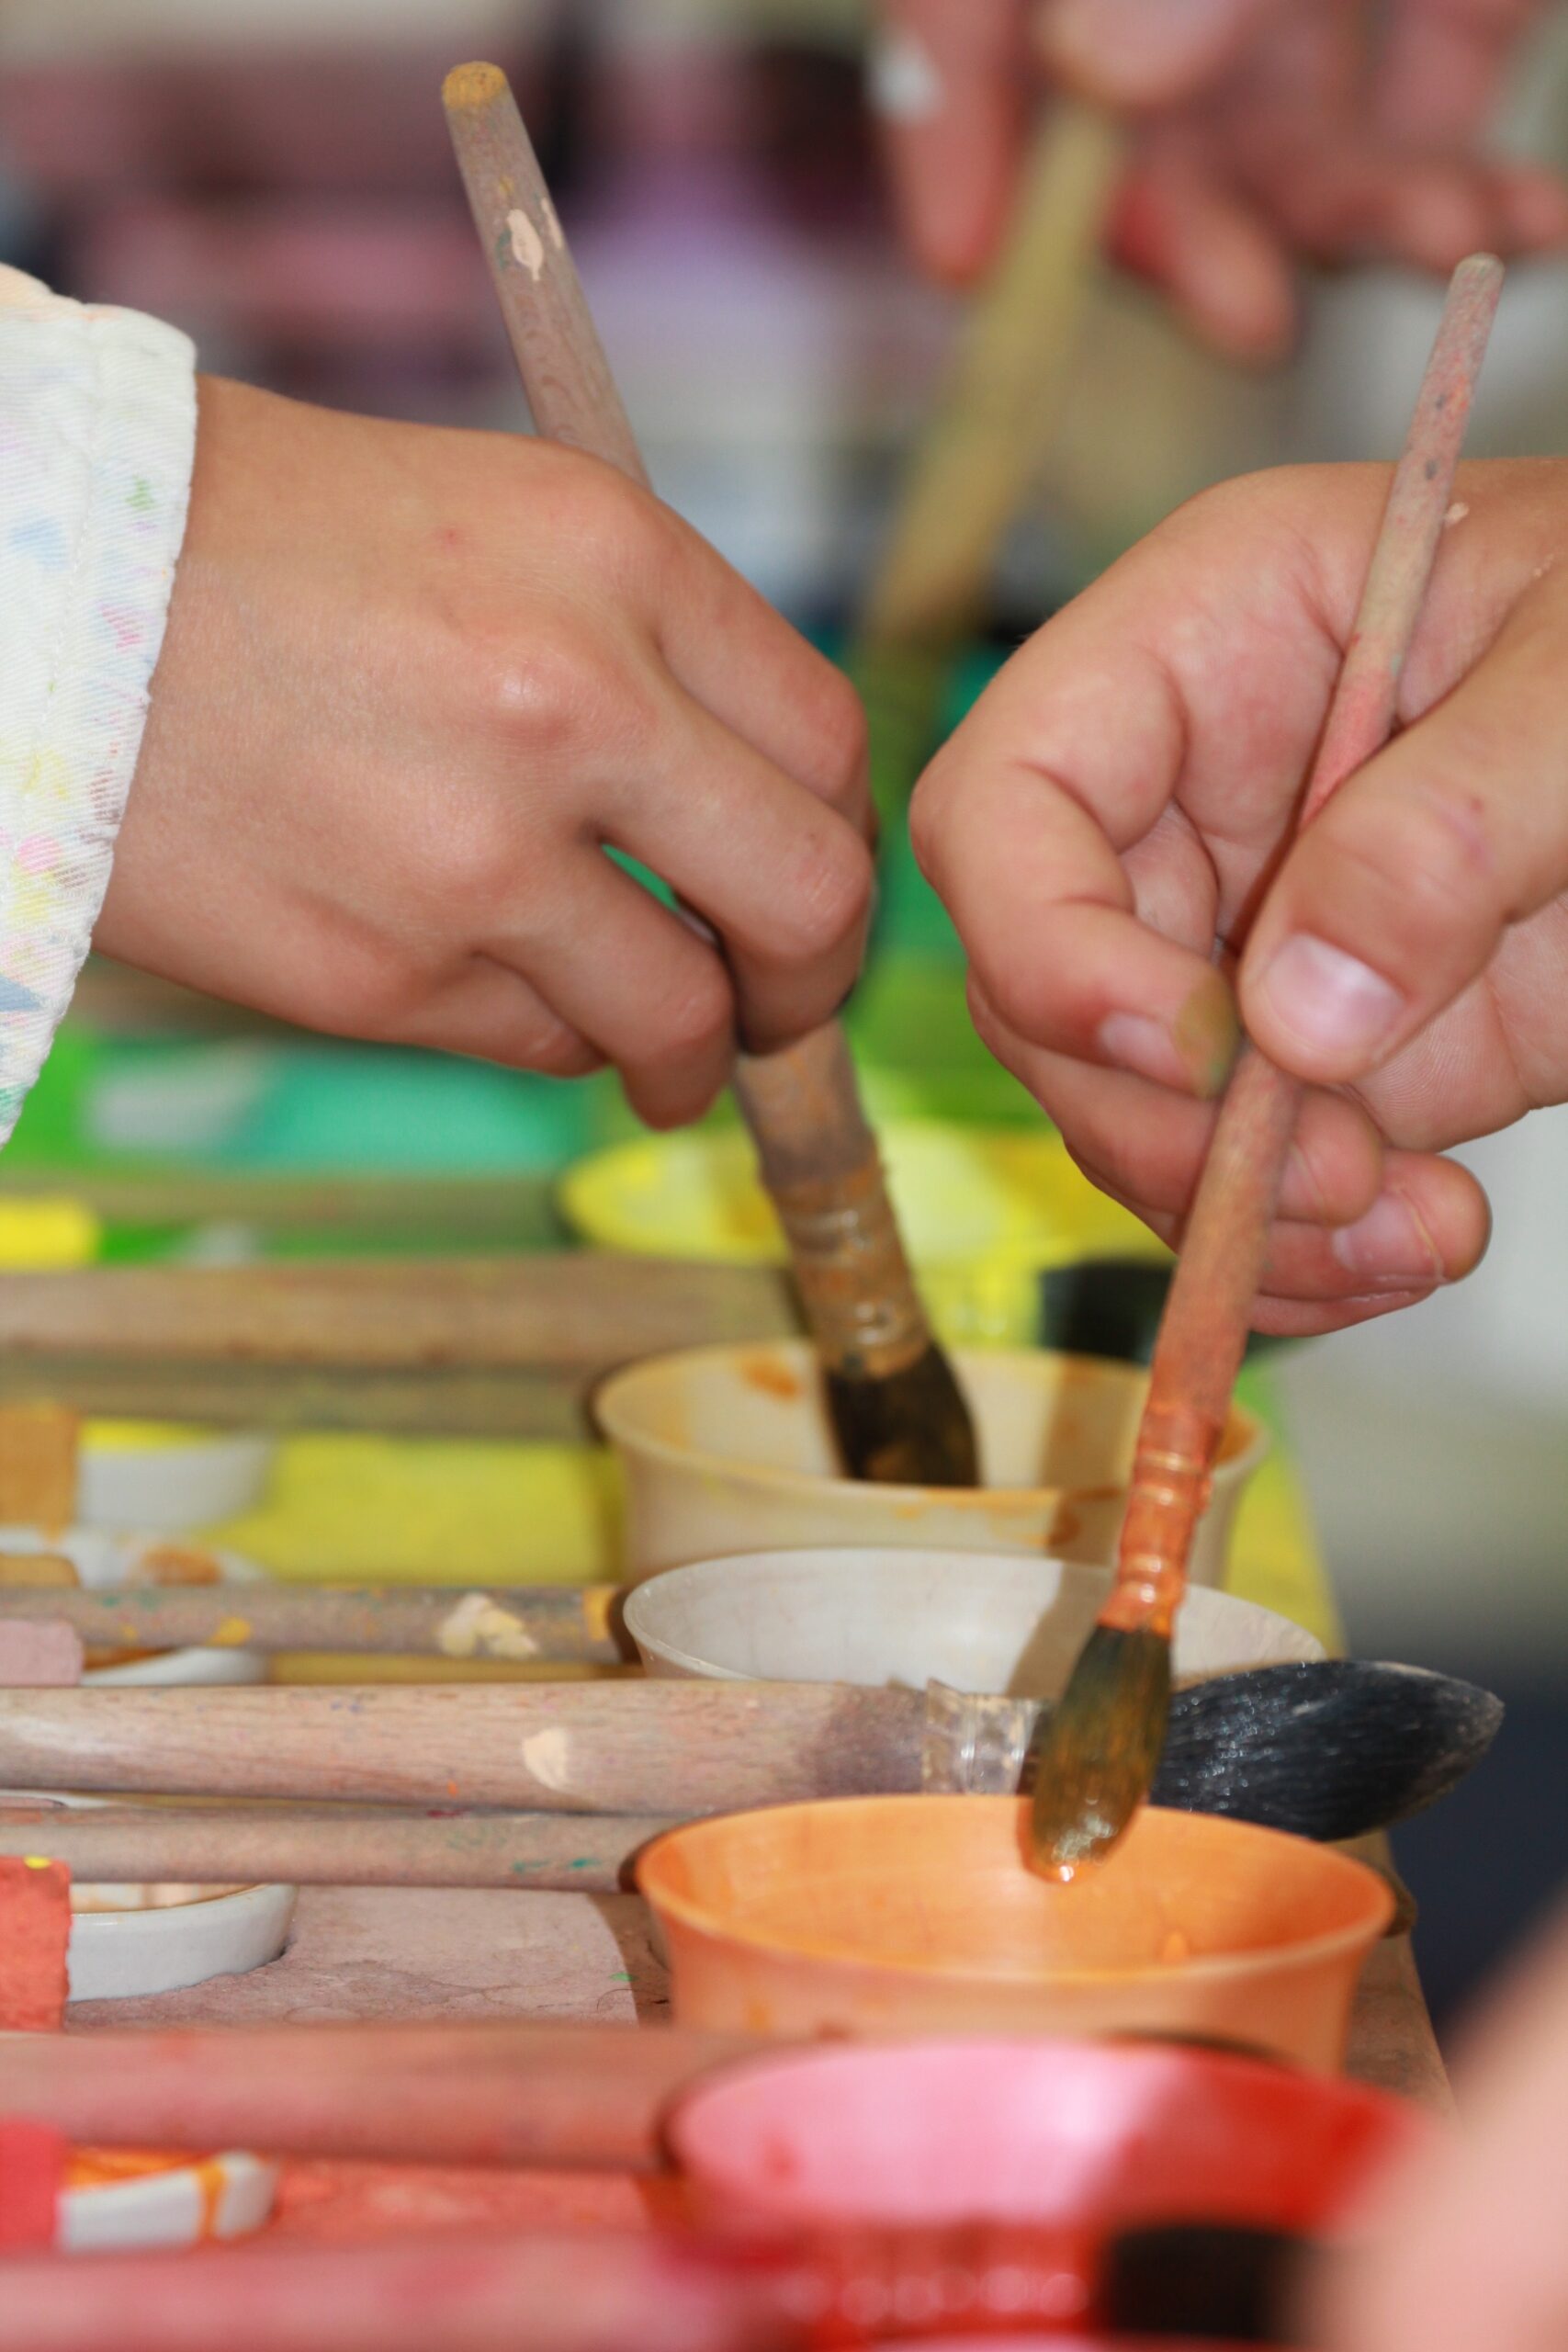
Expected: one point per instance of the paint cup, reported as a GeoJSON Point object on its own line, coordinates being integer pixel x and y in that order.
{"type": "Point", "coordinates": [729, 1449]}
{"type": "Point", "coordinates": [985, 1214]}
{"type": "Point", "coordinates": [1080, 2136]}
{"type": "Point", "coordinates": [921, 1916]}
{"type": "Point", "coordinates": [976, 1621]}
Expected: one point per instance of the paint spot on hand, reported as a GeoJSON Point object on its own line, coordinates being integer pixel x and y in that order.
{"type": "Point", "coordinates": [902, 80]}
{"type": "Point", "coordinates": [527, 246]}
{"type": "Point", "coordinates": [1456, 513]}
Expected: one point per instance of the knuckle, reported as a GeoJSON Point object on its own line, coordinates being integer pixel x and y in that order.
{"type": "Point", "coordinates": [555, 1050]}
{"type": "Point", "coordinates": [695, 1017]}
{"type": "Point", "coordinates": [1428, 854]}
{"type": "Point", "coordinates": [847, 739]}
{"type": "Point", "coordinates": [541, 700]}
{"type": "Point", "coordinates": [931, 813]}
{"type": "Point", "coordinates": [828, 894]}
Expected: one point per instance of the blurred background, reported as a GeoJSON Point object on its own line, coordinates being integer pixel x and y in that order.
{"type": "Point", "coordinates": [274, 175]}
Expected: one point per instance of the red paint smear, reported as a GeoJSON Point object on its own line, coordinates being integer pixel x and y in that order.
{"type": "Point", "coordinates": [34, 1927]}
{"type": "Point", "coordinates": [32, 2173]}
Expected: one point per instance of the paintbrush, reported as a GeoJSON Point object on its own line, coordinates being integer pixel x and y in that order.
{"type": "Point", "coordinates": [731, 2290]}
{"type": "Point", "coordinates": [553, 1623]}
{"type": "Point", "coordinates": [984, 442]}
{"type": "Point", "coordinates": [1332, 1750]}
{"type": "Point", "coordinates": [1098, 1758]}
{"type": "Point", "coordinates": [896, 1409]}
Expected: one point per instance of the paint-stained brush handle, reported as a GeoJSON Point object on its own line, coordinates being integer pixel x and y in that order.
{"type": "Point", "coordinates": [1097, 1757]}
{"type": "Point", "coordinates": [898, 1412]}
{"type": "Point", "coordinates": [1201, 1337]}
{"type": "Point", "coordinates": [775, 2288]}
{"type": "Point", "coordinates": [618, 1746]}
{"type": "Point", "coordinates": [551, 1624]}
{"type": "Point", "coordinates": [301, 1845]}
{"type": "Point", "coordinates": [518, 2093]}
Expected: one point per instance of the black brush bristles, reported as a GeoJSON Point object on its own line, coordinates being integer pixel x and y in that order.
{"type": "Point", "coordinates": [1326, 1750]}
{"type": "Point", "coordinates": [1097, 1756]}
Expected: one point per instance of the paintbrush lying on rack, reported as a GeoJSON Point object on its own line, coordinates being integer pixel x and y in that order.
{"type": "Point", "coordinates": [554, 1623]}
{"type": "Point", "coordinates": [661, 2291]}
{"type": "Point", "coordinates": [1329, 1749]}
{"type": "Point", "coordinates": [1098, 1756]}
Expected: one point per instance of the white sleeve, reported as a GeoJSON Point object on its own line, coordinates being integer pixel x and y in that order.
{"type": "Point", "coordinates": [97, 439]}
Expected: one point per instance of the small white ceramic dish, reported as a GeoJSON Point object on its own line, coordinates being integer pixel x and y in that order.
{"type": "Point", "coordinates": [186, 2204]}
{"type": "Point", "coordinates": [129, 1941]}
{"type": "Point", "coordinates": [102, 1562]}
{"type": "Point", "coordinates": [186, 1939]}
{"type": "Point", "coordinates": [165, 1479]}
{"type": "Point", "coordinates": [978, 1621]}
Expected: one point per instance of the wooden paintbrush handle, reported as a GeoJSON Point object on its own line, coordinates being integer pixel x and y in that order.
{"type": "Point", "coordinates": [820, 1166]}
{"type": "Point", "coordinates": [1207, 1315]}
{"type": "Point", "coordinates": [803, 1104]}
{"type": "Point", "coordinates": [1000, 406]}
{"type": "Point", "coordinates": [557, 1623]}
{"type": "Point", "coordinates": [626, 1747]}
{"type": "Point", "coordinates": [333, 1845]}
{"type": "Point", "coordinates": [555, 2095]}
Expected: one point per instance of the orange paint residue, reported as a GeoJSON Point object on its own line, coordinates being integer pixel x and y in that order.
{"type": "Point", "coordinates": [110, 2167]}
{"type": "Point", "coordinates": [774, 1379]}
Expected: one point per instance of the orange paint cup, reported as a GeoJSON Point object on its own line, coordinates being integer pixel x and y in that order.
{"type": "Point", "coordinates": [921, 1916]}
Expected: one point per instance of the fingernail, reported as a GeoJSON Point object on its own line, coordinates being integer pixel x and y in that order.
{"type": "Point", "coordinates": [1330, 1000]}
{"type": "Point", "coordinates": [903, 81]}
{"type": "Point", "coordinates": [1390, 1243]}
{"type": "Point", "coordinates": [1134, 1041]}
{"type": "Point", "coordinates": [1131, 49]}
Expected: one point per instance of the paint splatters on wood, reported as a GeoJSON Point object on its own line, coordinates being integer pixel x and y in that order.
{"type": "Point", "coordinates": [527, 245]}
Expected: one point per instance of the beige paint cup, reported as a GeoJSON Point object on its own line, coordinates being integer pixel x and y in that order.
{"type": "Point", "coordinates": [729, 1449]}
{"type": "Point", "coordinates": [976, 1621]}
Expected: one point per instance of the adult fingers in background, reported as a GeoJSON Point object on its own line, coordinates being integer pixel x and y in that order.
{"type": "Point", "coordinates": [951, 82]}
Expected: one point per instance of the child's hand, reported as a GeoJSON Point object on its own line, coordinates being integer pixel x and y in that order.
{"type": "Point", "coordinates": [1114, 810]}
{"type": "Point", "coordinates": [1263, 131]}
{"type": "Point", "coordinates": [414, 682]}
{"type": "Point", "coordinates": [1470, 2253]}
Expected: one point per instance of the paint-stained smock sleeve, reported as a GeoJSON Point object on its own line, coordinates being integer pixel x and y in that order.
{"type": "Point", "coordinates": [98, 438]}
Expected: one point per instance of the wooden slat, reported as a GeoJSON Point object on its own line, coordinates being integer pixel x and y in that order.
{"type": "Point", "coordinates": [501, 1346]}
{"type": "Point", "coordinates": [506, 1213]}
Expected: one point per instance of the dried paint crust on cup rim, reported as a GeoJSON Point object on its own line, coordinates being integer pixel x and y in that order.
{"type": "Point", "coordinates": [1304, 1953]}
{"type": "Point", "coordinates": [1245, 1443]}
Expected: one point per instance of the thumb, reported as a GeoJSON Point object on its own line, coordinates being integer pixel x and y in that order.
{"type": "Point", "coordinates": [1397, 897]}
{"type": "Point", "coordinates": [952, 83]}
{"type": "Point", "coordinates": [1145, 53]}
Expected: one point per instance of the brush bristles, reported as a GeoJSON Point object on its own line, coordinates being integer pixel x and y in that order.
{"type": "Point", "coordinates": [1099, 1750]}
